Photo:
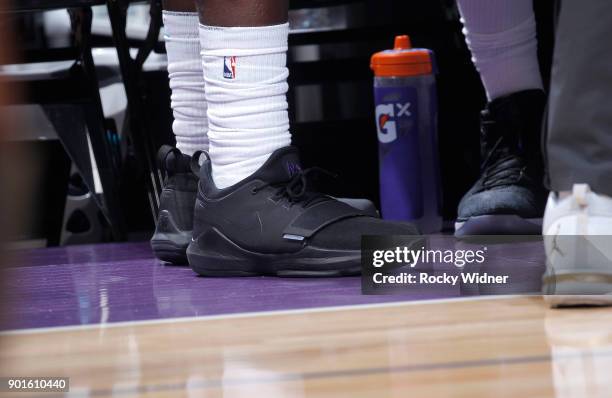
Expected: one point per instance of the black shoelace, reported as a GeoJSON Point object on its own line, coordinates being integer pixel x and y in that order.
{"type": "Point", "coordinates": [502, 166]}
{"type": "Point", "coordinates": [295, 190]}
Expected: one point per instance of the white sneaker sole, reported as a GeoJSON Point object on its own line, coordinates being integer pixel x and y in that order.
{"type": "Point", "coordinates": [579, 270]}
{"type": "Point", "coordinates": [559, 301]}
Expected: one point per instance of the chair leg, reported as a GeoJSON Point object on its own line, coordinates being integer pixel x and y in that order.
{"type": "Point", "coordinates": [94, 117]}
{"type": "Point", "coordinates": [132, 79]}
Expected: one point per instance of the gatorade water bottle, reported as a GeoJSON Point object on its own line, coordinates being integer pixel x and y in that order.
{"type": "Point", "coordinates": [406, 123]}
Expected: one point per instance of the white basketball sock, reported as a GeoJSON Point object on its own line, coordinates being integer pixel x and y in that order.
{"type": "Point", "coordinates": [188, 101]}
{"type": "Point", "coordinates": [501, 35]}
{"type": "Point", "coordinates": [246, 84]}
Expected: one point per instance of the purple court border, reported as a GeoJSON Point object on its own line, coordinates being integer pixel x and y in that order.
{"type": "Point", "coordinates": [118, 282]}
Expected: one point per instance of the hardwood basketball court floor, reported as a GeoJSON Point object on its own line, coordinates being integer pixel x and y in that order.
{"type": "Point", "coordinates": [119, 323]}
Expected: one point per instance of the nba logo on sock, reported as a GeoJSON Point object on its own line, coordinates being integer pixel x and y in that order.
{"type": "Point", "coordinates": [229, 67]}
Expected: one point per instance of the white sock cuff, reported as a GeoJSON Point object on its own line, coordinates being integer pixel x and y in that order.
{"type": "Point", "coordinates": [501, 34]}
{"type": "Point", "coordinates": [189, 145]}
{"type": "Point", "coordinates": [517, 35]}
{"type": "Point", "coordinates": [180, 25]}
{"type": "Point", "coordinates": [243, 41]}
{"type": "Point", "coordinates": [188, 100]}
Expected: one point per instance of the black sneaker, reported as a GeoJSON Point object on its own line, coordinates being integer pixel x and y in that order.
{"type": "Point", "coordinates": [175, 220]}
{"type": "Point", "coordinates": [271, 224]}
{"type": "Point", "coordinates": [509, 197]}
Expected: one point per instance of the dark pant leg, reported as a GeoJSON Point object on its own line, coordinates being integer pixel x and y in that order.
{"type": "Point", "coordinates": [579, 142]}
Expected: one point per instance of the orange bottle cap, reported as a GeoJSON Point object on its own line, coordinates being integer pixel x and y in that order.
{"type": "Point", "coordinates": [402, 61]}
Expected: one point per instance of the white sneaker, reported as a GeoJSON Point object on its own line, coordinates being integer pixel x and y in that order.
{"type": "Point", "coordinates": [577, 233]}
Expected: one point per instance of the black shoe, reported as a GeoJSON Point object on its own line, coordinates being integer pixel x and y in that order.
{"type": "Point", "coordinates": [175, 219]}
{"type": "Point", "coordinates": [509, 197]}
{"type": "Point", "coordinates": [271, 224]}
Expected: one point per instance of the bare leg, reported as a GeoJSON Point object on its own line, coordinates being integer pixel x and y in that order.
{"type": "Point", "coordinates": [179, 5]}
{"type": "Point", "coordinates": [243, 12]}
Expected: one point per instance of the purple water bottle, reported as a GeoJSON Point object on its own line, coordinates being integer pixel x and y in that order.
{"type": "Point", "coordinates": [406, 123]}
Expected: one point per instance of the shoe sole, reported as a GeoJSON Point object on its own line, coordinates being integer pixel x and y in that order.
{"type": "Point", "coordinates": [498, 224]}
{"type": "Point", "coordinates": [577, 289]}
{"type": "Point", "coordinates": [169, 244]}
{"type": "Point", "coordinates": [567, 301]}
{"type": "Point", "coordinates": [223, 258]}
{"type": "Point", "coordinates": [168, 251]}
